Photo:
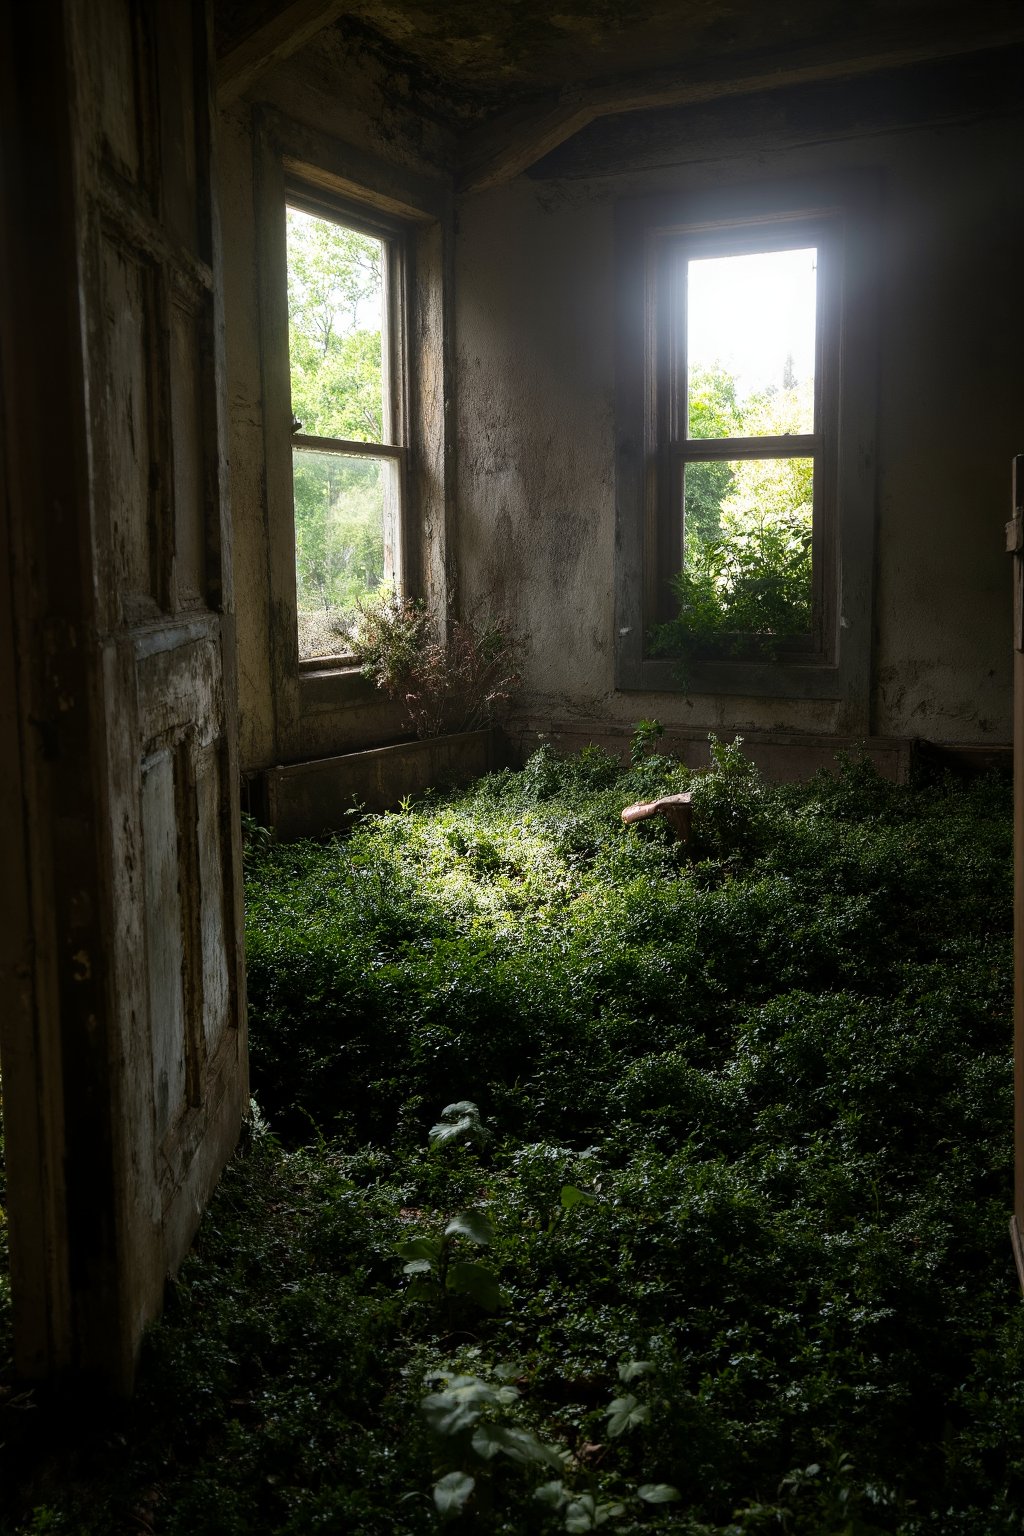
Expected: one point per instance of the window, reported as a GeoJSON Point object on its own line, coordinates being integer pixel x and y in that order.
{"type": "Point", "coordinates": [348, 455]}
{"type": "Point", "coordinates": [732, 501]}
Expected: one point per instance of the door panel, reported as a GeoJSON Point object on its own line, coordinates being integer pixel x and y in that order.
{"type": "Point", "coordinates": [121, 599]}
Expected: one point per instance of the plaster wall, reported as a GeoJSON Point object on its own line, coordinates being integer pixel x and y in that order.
{"type": "Point", "coordinates": [535, 290]}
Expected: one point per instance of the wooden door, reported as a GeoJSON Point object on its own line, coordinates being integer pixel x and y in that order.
{"type": "Point", "coordinates": [1015, 546]}
{"type": "Point", "coordinates": [131, 1069]}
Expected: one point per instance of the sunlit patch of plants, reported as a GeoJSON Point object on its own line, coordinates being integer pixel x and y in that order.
{"type": "Point", "coordinates": [599, 1185]}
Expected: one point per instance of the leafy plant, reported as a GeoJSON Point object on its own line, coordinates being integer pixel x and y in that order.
{"type": "Point", "coordinates": [478, 1417]}
{"type": "Point", "coordinates": [433, 1262]}
{"type": "Point", "coordinates": [460, 1122]}
{"type": "Point", "coordinates": [646, 733]}
{"type": "Point", "coordinates": [456, 681]}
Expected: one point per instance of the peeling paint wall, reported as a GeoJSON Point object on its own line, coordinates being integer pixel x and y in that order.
{"type": "Point", "coordinates": [535, 289]}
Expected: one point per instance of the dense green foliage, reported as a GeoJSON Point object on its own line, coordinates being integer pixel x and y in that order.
{"type": "Point", "coordinates": [745, 583]}
{"type": "Point", "coordinates": [729, 1134]}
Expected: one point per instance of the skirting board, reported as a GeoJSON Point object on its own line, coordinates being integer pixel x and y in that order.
{"type": "Point", "coordinates": [309, 799]}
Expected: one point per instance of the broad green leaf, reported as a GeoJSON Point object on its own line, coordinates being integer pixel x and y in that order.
{"type": "Point", "coordinates": [459, 1406]}
{"type": "Point", "coordinates": [480, 1284]}
{"type": "Point", "coordinates": [657, 1493]}
{"type": "Point", "coordinates": [552, 1493]}
{"type": "Point", "coordinates": [452, 1491]}
{"type": "Point", "coordinates": [420, 1248]}
{"type": "Point", "coordinates": [519, 1445]}
{"type": "Point", "coordinates": [423, 1285]}
{"type": "Point", "coordinates": [629, 1370]}
{"type": "Point", "coordinates": [459, 1108]}
{"type": "Point", "coordinates": [581, 1515]}
{"type": "Point", "coordinates": [418, 1267]}
{"type": "Point", "coordinates": [571, 1197]}
{"type": "Point", "coordinates": [626, 1413]}
{"type": "Point", "coordinates": [446, 1131]}
{"type": "Point", "coordinates": [474, 1224]}
{"type": "Point", "coordinates": [605, 1512]}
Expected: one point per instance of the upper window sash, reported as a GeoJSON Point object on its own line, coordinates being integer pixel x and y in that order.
{"type": "Point", "coordinates": [394, 237]}
{"type": "Point", "coordinates": [669, 249]}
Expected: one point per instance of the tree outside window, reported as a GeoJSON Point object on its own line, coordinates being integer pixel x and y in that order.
{"type": "Point", "coordinates": [346, 462]}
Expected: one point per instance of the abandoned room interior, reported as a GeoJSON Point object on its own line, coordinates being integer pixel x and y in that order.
{"type": "Point", "coordinates": [549, 214]}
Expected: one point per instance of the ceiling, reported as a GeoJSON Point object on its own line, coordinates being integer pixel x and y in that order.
{"type": "Point", "coordinates": [495, 66]}
{"type": "Point", "coordinates": [504, 53]}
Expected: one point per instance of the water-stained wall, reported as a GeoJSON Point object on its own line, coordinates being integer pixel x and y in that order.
{"type": "Point", "coordinates": [536, 296]}
{"type": "Point", "coordinates": [529, 529]}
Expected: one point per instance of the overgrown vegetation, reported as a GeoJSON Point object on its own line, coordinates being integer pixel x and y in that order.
{"type": "Point", "coordinates": [745, 586]}
{"type": "Point", "coordinates": [599, 1188]}
{"type": "Point", "coordinates": [460, 680]}
{"type": "Point", "coordinates": [5, 1267]}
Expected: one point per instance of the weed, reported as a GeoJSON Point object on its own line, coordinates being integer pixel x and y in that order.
{"type": "Point", "coordinates": [743, 1118]}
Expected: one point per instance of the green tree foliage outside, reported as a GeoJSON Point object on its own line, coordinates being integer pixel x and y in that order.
{"type": "Point", "coordinates": [745, 584]}
{"type": "Point", "coordinates": [335, 309]}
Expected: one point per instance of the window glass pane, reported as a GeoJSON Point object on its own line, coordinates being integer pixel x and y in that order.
{"type": "Point", "coordinates": [344, 517]}
{"type": "Point", "coordinates": [746, 549]}
{"type": "Point", "coordinates": [750, 324]}
{"type": "Point", "coordinates": [335, 329]}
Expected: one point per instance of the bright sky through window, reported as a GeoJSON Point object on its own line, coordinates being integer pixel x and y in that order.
{"type": "Point", "coordinates": [751, 313]}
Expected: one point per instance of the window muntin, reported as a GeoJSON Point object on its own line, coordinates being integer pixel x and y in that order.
{"type": "Point", "coordinates": [347, 456]}
{"type": "Point", "coordinates": [739, 371]}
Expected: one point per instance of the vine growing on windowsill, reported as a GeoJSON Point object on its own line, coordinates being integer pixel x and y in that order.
{"type": "Point", "coordinates": [741, 597]}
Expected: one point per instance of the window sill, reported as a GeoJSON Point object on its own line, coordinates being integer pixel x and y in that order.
{"type": "Point", "coordinates": [327, 682]}
{"type": "Point", "coordinates": [790, 679]}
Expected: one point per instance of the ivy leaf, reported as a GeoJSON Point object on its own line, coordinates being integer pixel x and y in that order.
{"type": "Point", "coordinates": [625, 1413]}
{"type": "Point", "coordinates": [657, 1493]}
{"type": "Point", "coordinates": [571, 1197]}
{"type": "Point", "coordinates": [474, 1224]}
{"type": "Point", "coordinates": [452, 1491]}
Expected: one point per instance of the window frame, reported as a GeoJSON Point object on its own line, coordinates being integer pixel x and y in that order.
{"type": "Point", "coordinates": [395, 237]}
{"type": "Point", "coordinates": [653, 236]}
{"type": "Point", "coordinates": [315, 708]}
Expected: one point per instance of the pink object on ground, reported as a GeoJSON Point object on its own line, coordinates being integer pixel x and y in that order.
{"type": "Point", "coordinates": [676, 810]}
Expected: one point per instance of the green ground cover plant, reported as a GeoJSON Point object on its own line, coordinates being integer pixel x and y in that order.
{"type": "Point", "coordinates": [597, 1186]}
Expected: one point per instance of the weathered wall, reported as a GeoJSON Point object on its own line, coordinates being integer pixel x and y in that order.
{"type": "Point", "coordinates": [535, 309]}
{"type": "Point", "coordinates": [374, 120]}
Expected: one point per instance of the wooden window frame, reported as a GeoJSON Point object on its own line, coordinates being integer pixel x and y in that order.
{"type": "Point", "coordinates": [395, 237]}
{"type": "Point", "coordinates": [653, 237]}
{"type": "Point", "coordinates": [313, 703]}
